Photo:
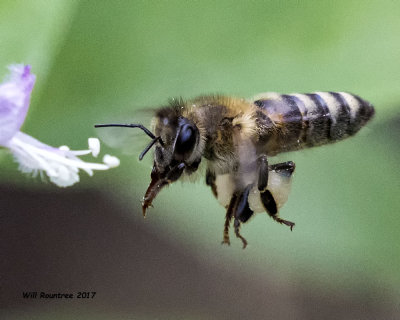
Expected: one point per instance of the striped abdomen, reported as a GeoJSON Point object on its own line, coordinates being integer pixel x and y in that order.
{"type": "Point", "coordinates": [293, 121]}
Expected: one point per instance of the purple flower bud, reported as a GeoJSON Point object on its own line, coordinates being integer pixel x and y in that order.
{"type": "Point", "coordinates": [15, 96]}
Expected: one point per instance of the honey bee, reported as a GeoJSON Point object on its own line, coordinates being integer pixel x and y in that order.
{"type": "Point", "coordinates": [235, 138]}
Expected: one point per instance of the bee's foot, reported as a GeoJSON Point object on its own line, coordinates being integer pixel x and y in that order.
{"type": "Point", "coordinates": [285, 222]}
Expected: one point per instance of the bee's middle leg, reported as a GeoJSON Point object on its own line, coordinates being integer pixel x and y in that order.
{"type": "Point", "coordinates": [239, 208]}
{"type": "Point", "coordinates": [266, 196]}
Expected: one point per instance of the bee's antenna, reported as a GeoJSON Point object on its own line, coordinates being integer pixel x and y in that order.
{"type": "Point", "coordinates": [149, 147]}
{"type": "Point", "coordinates": [134, 125]}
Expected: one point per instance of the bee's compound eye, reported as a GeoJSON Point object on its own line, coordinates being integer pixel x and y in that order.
{"type": "Point", "coordinates": [186, 139]}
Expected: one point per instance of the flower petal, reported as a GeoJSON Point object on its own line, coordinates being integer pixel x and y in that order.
{"type": "Point", "coordinates": [111, 161]}
{"type": "Point", "coordinates": [15, 94]}
{"type": "Point", "coordinates": [94, 146]}
{"type": "Point", "coordinates": [65, 177]}
{"type": "Point", "coordinates": [60, 164]}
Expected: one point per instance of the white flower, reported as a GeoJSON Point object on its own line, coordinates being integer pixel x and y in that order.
{"type": "Point", "coordinates": [61, 164]}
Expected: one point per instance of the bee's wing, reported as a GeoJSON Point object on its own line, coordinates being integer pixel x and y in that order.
{"type": "Point", "coordinates": [247, 172]}
{"type": "Point", "coordinates": [281, 108]}
{"type": "Point", "coordinates": [128, 140]}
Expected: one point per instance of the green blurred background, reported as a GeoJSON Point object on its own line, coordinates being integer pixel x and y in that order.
{"type": "Point", "coordinates": [99, 61]}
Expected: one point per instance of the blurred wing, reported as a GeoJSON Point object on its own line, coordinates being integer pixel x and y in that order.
{"type": "Point", "coordinates": [281, 108]}
{"type": "Point", "coordinates": [247, 172]}
{"type": "Point", "coordinates": [128, 140]}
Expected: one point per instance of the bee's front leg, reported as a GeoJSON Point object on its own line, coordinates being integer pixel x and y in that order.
{"type": "Point", "coordinates": [210, 181]}
{"type": "Point", "coordinates": [228, 218]}
{"type": "Point", "coordinates": [266, 196]}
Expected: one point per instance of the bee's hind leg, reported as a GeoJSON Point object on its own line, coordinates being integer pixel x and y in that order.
{"type": "Point", "coordinates": [270, 205]}
{"type": "Point", "coordinates": [266, 196]}
{"type": "Point", "coordinates": [286, 167]}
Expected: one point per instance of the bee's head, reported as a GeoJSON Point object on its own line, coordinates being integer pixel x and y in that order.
{"type": "Point", "coordinates": [179, 138]}
{"type": "Point", "coordinates": [176, 153]}
{"type": "Point", "coordinates": [176, 141]}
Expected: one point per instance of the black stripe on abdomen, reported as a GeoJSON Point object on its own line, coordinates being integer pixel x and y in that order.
{"type": "Point", "coordinates": [319, 120]}
{"type": "Point", "coordinates": [293, 119]}
{"type": "Point", "coordinates": [341, 126]}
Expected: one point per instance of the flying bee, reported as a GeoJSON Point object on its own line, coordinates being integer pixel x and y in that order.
{"type": "Point", "coordinates": [235, 138]}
